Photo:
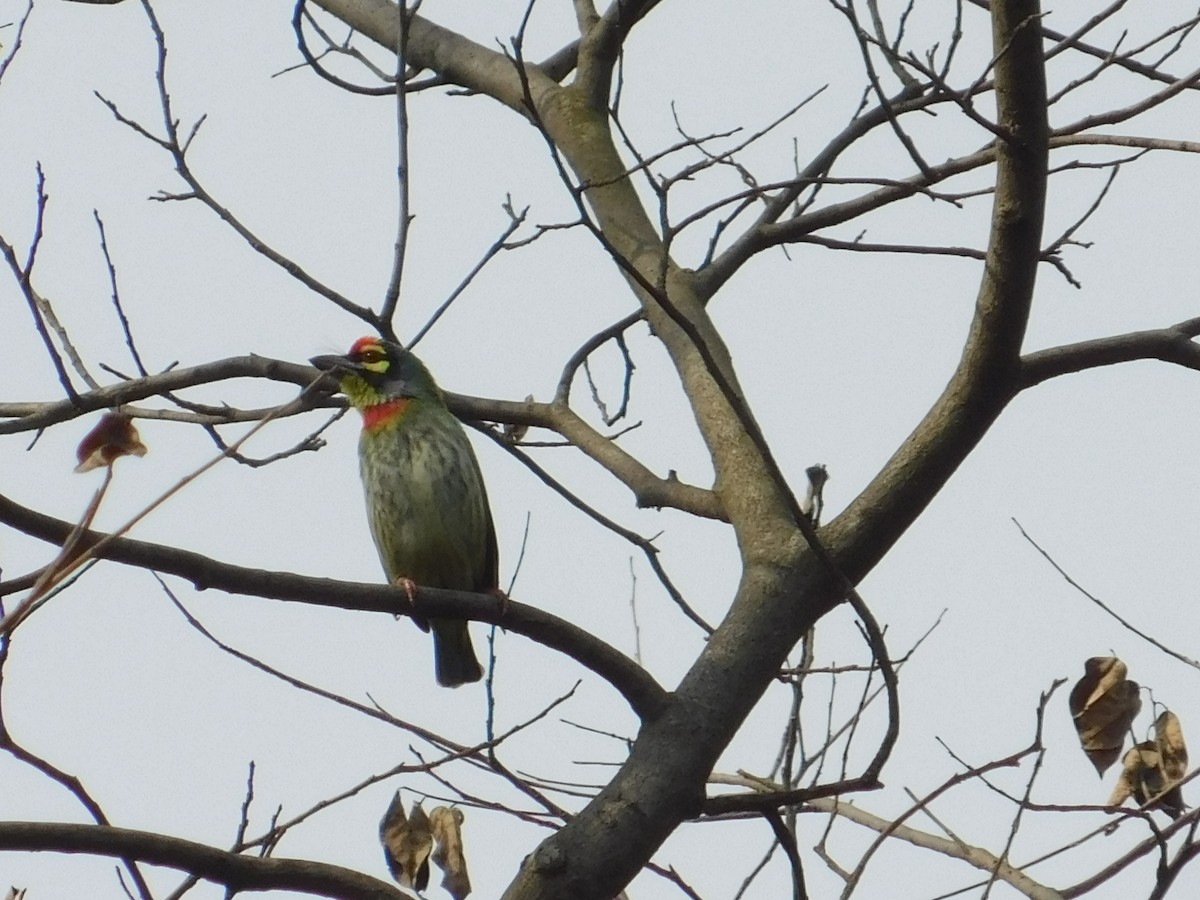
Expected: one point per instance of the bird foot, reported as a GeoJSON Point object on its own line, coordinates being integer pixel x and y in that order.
{"type": "Point", "coordinates": [505, 600]}
{"type": "Point", "coordinates": [410, 589]}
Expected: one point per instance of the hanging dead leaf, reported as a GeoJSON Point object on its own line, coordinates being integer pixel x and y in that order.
{"type": "Point", "coordinates": [1143, 779]}
{"type": "Point", "coordinates": [1129, 777]}
{"type": "Point", "coordinates": [1168, 740]}
{"type": "Point", "coordinates": [14, 894]}
{"type": "Point", "coordinates": [406, 841]}
{"type": "Point", "coordinates": [447, 831]}
{"type": "Point", "coordinates": [113, 437]}
{"type": "Point", "coordinates": [1104, 704]}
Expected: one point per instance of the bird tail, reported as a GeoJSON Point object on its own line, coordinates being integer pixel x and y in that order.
{"type": "Point", "coordinates": [453, 655]}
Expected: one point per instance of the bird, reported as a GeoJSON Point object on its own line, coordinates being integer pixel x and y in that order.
{"type": "Point", "coordinates": [426, 502]}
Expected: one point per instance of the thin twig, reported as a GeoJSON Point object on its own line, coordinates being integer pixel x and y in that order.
{"type": "Point", "coordinates": [515, 221]}
{"type": "Point", "coordinates": [391, 297]}
{"type": "Point", "coordinates": [116, 297]}
{"type": "Point", "coordinates": [1100, 603]}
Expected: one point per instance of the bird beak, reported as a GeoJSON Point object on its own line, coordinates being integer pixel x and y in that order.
{"type": "Point", "coordinates": [335, 364]}
{"type": "Point", "coordinates": [336, 367]}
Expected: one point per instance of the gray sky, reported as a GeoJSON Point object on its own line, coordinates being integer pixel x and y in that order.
{"type": "Point", "coordinates": [840, 354]}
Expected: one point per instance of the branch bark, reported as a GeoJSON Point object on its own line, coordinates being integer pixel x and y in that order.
{"type": "Point", "coordinates": [238, 872]}
{"type": "Point", "coordinates": [1175, 344]}
{"type": "Point", "coordinates": [783, 589]}
{"type": "Point", "coordinates": [988, 375]}
{"type": "Point", "coordinates": [640, 690]}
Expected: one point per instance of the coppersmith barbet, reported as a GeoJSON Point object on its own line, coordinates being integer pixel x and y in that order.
{"type": "Point", "coordinates": [426, 502]}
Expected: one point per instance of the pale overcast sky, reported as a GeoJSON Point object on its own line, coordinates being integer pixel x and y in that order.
{"type": "Point", "coordinates": [839, 354]}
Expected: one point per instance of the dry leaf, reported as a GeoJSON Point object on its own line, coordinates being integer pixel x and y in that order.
{"type": "Point", "coordinates": [1168, 740]}
{"type": "Point", "coordinates": [14, 894]}
{"type": "Point", "coordinates": [1173, 761]}
{"type": "Point", "coordinates": [113, 437]}
{"type": "Point", "coordinates": [447, 831]}
{"type": "Point", "coordinates": [1130, 774]}
{"type": "Point", "coordinates": [1143, 779]}
{"type": "Point", "coordinates": [1104, 704]}
{"type": "Point", "coordinates": [406, 844]}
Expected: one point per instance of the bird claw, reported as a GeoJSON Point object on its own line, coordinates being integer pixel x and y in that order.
{"type": "Point", "coordinates": [505, 600]}
{"type": "Point", "coordinates": [410, 589]}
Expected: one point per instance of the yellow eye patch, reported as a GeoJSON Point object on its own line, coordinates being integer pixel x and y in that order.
{"type": "Point", "coordinates": [372, 357]}
{"type": "Point", "coordinates": [376, 363]}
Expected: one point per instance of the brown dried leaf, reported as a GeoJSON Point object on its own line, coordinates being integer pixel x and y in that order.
{"type": "Point", "coordinates": [1123, 789]}
{"type": "Point", "coordinates": [113, 437]}
{"type": "Point", "coordinates": [406, 844]}
{"type": "Point", "coordinates": [1099, 674]}
{"type": "Point", "coordinates": [447, 831]}
{"type": "Point", "coordinates": [1168, 740]}
{"type": "Point", "coordinates": [14, 894]}
{"type": "Point", "coordinates": [1104, 704]}
{"type": "Point", "coordinates": [1143, 779]}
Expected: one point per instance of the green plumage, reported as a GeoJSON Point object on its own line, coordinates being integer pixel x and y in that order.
{"type": "Point", "coordinates": [426, 503]}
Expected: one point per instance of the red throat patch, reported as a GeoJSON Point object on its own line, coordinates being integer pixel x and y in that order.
{"type": "Point", "coordinates": [381, 415]}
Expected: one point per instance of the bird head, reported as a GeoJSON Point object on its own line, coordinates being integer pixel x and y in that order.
{"type": "Point", "coordinates": [376, 371]}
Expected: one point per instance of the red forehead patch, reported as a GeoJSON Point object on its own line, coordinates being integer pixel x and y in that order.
{"type": "Point", "coordinates": [362, 344]}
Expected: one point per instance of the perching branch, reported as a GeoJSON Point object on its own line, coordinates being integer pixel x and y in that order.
{"type": "Point", "coordinates": [235, 871]}
{"type": "Point", "coordinates": [638, 688]}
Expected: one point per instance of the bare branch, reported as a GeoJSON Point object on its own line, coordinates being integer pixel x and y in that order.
{"type": "Point", "coordinates": [70, 782]}
{"type": "Point", "coordinates": [515, 220]}
{"type": "Point", "coordinates": [949, 847]}
{"type": "Point", "coordinates": [643, 544]}
{"type": "Point", "coordinates": [238, 872]}
{"type": "Point", "coordinates": [391, 297]}
{"type": "Point", "coordinates": [178, 150]}
{"type": "Point", "coordinates": [299, 15]}
{"type": "Point", "coordinates": [787, 840]}
{"type": "Point", "coordinates": [911, 87]}
{"type": "Point", "coordinates": [563, 393]}
{"type": "Point", "coordinates": [116, 298]}
{"type": "Point", "coordinates": [39, 308]}
{"type": "Point", "coordinates": [456, 59]}
{"type": "Point", "coordinates": [452, 749]}
{"type": "Point", "coordinates": [991, 864]}
{"type": "Point", "coordinates": [1124, 114]}
{"type": "Point", "coordinates": [12, 54]}
{"type": "Point", "coordinates": [1104, 606]}
{"type": "Point", "coordinates": [600, 45]}
{"type": "Point", "coordinates": [1098, 52]}
{"type": "Point", "coordinates": [638, 688]}
{"type": "Point", "coordinates": [1174, 344]}
{"type": "Point", "coordinates": [987, 375]}
{"type": "Point", "coordinates": [43, 415]}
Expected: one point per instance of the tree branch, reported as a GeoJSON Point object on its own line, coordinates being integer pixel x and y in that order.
{"type": "Point", "coordinates": [650, 490]}
{"type": "Point", "coordinates": [600, 46]}
{"type": "Point", "coordinates": [455, 58]}
{"type": "Point", "coordinates": [642, 693]}
{"type": "Point", "coordinates": [1101, 53]}
{"type": "Point", "coordinates": [1174, 344]}
{"type": "Point", "coordinates": [239, 873]}
{"type": "Point", "coordinates": [26, 417]}
{"type": "Point", "coordinates": [988, 374]}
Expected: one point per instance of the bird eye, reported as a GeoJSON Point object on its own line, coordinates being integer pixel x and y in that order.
{"type": "Point", "coordinates": [371, 355]}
